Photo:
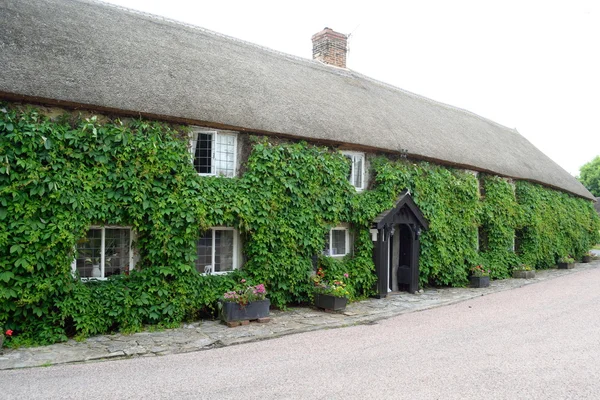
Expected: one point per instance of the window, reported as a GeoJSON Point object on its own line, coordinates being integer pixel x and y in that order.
{"type": "Point", "coordinates": [214, 153]}
{"type": "Point", "coordinates": [104, 251]}
{"type": "Point", "coordinates": [217, 251]}
{"type": "Point", "coordinates": [357, 169]}
{"type": "Point", "coordinates": [337, 242]}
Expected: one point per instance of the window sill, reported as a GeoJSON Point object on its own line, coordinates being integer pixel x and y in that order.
{"type": "Point", "coordinates": [216, 176]}
{"type": "Point", "coordinates": [217, 273]}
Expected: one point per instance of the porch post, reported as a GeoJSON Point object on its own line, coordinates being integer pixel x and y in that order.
{"type": "Point", "coordinates": [414, 282]}
{"type": "Point", "coordinates": [380, 257]}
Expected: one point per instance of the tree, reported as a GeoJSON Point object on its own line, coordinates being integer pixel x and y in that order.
{"type": "Point", "coordinates": [590, 176]}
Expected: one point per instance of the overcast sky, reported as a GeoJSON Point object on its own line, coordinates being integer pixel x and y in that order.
{"type": "Point", "coordinates": [532, 65]}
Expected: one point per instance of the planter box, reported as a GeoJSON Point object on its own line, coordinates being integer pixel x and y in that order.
{"type": "Point", "coordinates": [586, 259]}
{"type": "Point", "coordinates": [566, 265]}
{"type": "Point", "coordinates": [523, 274]}
{"type": "Point", "coordinates": [479, 281]}
{"type": "Point", "coordinates": [230, 311]}
{"type": "Point", "coordinates": [329, 302]}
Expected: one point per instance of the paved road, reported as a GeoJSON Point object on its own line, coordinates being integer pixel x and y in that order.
{"type": "Point", "coordinates": [541, 341]}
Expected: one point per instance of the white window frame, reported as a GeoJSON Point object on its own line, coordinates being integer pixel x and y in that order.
{"type": "Point", "coordinates": [103, 251]}
{"type": "Point", "coordinates": [354, 155]}
{"type": "Point", "coordinates": [210, 269]}
{"type": "Point", "coordinates": [215, 134]}
{"type": "Point", "coordinates": [347, 239]}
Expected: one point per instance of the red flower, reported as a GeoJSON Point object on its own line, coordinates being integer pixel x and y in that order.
{"type": "Point", "coordinates": [9, 332]}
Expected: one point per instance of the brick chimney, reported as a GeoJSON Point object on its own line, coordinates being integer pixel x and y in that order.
{"type": "Point", "coordinates": [330, 47]}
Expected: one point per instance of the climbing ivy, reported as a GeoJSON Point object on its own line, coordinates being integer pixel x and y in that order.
{"type": "Point", "coordinates": [60, 175]}
{"type": "Point", "coordinates": [555, 225]}
{"type": "Point", "coordinates": [500, 215]}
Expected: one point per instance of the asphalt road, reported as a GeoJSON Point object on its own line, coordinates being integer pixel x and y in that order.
{"type": "Point", "coordinates": [541, 341]}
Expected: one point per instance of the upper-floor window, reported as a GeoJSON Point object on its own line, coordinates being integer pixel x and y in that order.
{"type": "Point", "coordinates": [104, 251]}
{"type": "Point", "coordinates": [217, 251]}
{"type": "Point", "coordinates": [214, 153]}
{"type": "Point", "coordinates": [337, 242]}
{"type": "Point", "coordinates": [357, 169]}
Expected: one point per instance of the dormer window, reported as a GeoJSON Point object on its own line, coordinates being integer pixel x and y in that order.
{"type": "Point", "coordinates": [214, 153]}
{"type": "Point", "coordinates": [357, 169]}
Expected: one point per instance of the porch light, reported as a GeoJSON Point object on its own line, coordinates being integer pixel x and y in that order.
{"type": "Point", "coordinates": [373, 234]}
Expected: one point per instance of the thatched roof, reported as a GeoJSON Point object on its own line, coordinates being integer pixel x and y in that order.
{"type": "Point", "coordinates": [106, 57]}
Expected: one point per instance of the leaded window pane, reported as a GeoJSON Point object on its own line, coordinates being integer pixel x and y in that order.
{"type": "Point", "coordinates": [116, 253]}
{"type": "Point", "coordinates": [203, 158]}
{"type": "Point", "coordinates": [115, 249]}
{"type": "Point", "coordinates": [89, 250]}
{"type": "Point", "coordinates": [358, 171]}
{"type": "Point", "coordinates": [204, 252]}
{"type": "Point", "coordinates": [351, 167]}
{"type": "Point", "coordinates": [327, 251]}
{"type": "Point", "coordinates": [215, 251]}
{"type": "Point", "coordinates": [338, 242]}
{"type": "Point", "coordinates": [223, 251]}
{"type": "Point", "coordinates": [225, 155]}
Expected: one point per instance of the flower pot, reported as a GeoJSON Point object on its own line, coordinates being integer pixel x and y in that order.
{"type": "Point", "coordinates": [231, 311]}
{"type": "Point", "coordinates": [329, 302]}
{"type": "Point", "coordinates": [523, 274]}
{"type": "Point", "coordinates": [479, 281]}
{"type": "Point", "coordinates": [586, 259]}
{"type": "Point", "coordinates": [96, 272]}
{"type": "Point", "coordinates": [562, 265]}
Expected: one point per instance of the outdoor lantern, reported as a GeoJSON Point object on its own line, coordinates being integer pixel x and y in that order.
{"type": "Point", "coordinates": [373, 234]}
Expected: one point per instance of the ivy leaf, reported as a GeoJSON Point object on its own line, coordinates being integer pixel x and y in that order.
{"type": "Point", "coordinates": [6, 276]}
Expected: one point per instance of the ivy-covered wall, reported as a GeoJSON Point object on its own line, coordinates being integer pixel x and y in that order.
{"type": "Point", "coordinates": [60, 175]}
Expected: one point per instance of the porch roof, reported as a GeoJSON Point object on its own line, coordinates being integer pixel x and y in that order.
{"type": "Point", "coordinates": [404, 200]}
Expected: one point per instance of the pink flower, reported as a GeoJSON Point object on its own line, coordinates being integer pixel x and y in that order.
{"type": "Point", "coordinates": [9, 332]}
{"type": "Point", "coordinates": [346, 275]}
{"type": "Point", "coordinates": [243, 281]}
{"type": "Point", "coordinates": [260, 288]}
{"type": "Point", "coordinates": [230, 295]}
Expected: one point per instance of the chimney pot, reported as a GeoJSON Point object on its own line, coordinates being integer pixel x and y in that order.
{"type": "Point", "coordinates": [330, 47]}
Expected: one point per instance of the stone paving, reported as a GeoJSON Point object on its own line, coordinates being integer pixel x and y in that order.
{"type": "Point", "coordinates": [208, 334]}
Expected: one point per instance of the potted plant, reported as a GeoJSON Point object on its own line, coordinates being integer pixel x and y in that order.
{"type": "Point", "coordinates": [332, 295]}
{"type": "Point", "coordinates": [587, 257]}
{"type": "Point", "coordinates": [245, 303]}
{"type": "Point", "coordinates": [523, 271]}
{"type": "Point", "coordinates": [480, 277]}
{"type": "Point", "coordinates": [566, 262]}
